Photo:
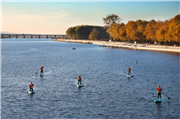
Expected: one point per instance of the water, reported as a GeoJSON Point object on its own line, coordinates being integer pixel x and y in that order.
{"type": "Point", "coordinates": [107, 92]}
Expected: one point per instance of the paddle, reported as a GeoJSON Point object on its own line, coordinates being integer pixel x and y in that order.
{"type": "Point", "coordinates": [166, 96]}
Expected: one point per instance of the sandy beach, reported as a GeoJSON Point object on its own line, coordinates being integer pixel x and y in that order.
{"type": "Point", "coordinates": [137, 46]}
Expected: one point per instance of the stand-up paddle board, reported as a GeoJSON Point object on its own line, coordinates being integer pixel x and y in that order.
{"type": "Point", "coordinates": [129, 75]}
{"type": "Point", "coordinates": [158, 100]}
{"type": "Point", "coordinates": [79, 85]}
{"type": "Point", "coordinates": [41, 74]}
{"type": "Point", "coordinates": [31, 92]}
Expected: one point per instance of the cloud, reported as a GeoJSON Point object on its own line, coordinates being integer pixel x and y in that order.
{"type": "Point", "coordinates": [57, 15]}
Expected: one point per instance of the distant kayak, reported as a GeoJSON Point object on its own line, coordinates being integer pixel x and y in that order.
{"type": "Point", "coordinates": [158, 100]}
{"type": "Point", "coordinates": [31, 92]}
{"type": "Point", "coordinates": [41, 74]}
{"type": "Point", "coordinates": [129, 75]}
{"type": "Point", "coordinates": [79, 85]}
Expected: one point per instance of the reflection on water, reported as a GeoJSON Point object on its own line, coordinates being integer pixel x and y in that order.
{"type": "Point", "coordinates": [31, 97]}
{"type": "Point", "coordinates": [158, 108]}
{"type": "Point", "coordinates": [106, 93]}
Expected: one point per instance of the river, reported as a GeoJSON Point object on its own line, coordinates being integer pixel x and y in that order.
{"type": "Point", "coordinates": [106, 93]}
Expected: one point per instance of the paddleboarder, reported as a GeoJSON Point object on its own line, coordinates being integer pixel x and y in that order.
{"type": "Point", "coordinates": [79, 80]}
{"type": "Point", "coordinates": [159, 89]}
{"type": "Point", "coordinates": [42, 70]}
{"type": "Point", "coordinates": [129, 71]}
{"type": "Point", "coordinates": [31, 86]}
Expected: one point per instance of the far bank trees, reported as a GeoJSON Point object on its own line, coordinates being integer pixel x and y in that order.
{"type": "Point", "coordinates": [142, 31]}
{"type": "Point", "coordinates": [87, 32]}
{"type": "Point", "coordinates": [163, 32]}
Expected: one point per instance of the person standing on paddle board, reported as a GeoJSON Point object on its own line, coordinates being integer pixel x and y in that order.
{"type": "Point", "coordinates": [79, 79]}
{"type": "Point", "coordinates": [41, 70]}
{"type": "Point", "coordinates": [31, 86]}
{"type": "Point", "coordinates": [159, 89]}
{"type": "Point", "coordinates": [129, 71]}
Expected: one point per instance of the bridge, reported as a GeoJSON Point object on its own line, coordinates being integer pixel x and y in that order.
{"type": "Point", "coordinates": [33, 36]}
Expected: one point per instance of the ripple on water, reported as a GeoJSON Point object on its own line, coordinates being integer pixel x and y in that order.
{"type": "Point", "coordinates": [107, 92]}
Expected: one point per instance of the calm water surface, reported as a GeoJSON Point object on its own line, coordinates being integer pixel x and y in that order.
{"type": "Point", "coordinates": [106, 91]}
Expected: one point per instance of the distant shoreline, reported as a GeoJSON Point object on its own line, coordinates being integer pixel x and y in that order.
{"type": "Point", "coordinates": [137, 46]}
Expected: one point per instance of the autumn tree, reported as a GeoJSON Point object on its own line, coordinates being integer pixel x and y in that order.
{"type": "Point", "coordinates": [131, 28]}
{"type": "Point", "coordinates": [111, 19]}
{"type": "Point", "coordinates": [122, 33]}
{"type": "Point", "coordinates": [174, 32]}
{"type": "Point", "coordinates": [94, 35]}
{"type": "Point", "coordinates": [111, 22]}
{"type": "Point", "coordinates": [150, 31]}
{"type": "Point", "coordinates": [141, 25]}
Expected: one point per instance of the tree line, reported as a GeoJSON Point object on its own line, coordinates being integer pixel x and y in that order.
{"type": "Point", "coordinates": [87, 32]}
{"type": "Point", "coordinates": [164, 32]}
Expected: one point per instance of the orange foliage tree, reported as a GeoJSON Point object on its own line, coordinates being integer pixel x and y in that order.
{"type": "Point", "coordinates": [164, 32]}
{"type": "Point", "coordinates": [94, 35]}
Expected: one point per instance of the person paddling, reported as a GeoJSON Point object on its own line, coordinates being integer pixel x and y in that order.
{"type": "Point", "coordinates": [41, 70]}
{"type": "Point", "coordinates": [159, 89]}
{"type": "Point", "coordinates": [31, 86]}
{"type": "Point", "coordinates": [129, 71]}
{"type": "Point", "coordinates": [79, 80]}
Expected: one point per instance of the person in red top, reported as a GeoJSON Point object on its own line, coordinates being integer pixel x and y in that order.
{"type": "Point", "coordinates": [41, 70]}
{"type": "Point", "coordinates": [159, 89]}
{"type": "Point", "coordinates": [129, 71]}
{"type": "Point", "coordinates": [79, 80]}
{"type": "Point", "coordinates": [31, 86]}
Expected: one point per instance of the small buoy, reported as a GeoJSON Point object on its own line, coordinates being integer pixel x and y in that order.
{"type": "Point", "coordinates": [136, 62]}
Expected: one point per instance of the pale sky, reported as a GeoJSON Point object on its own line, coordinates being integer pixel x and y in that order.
{"type": "Point", "coordinates": [45, 17]}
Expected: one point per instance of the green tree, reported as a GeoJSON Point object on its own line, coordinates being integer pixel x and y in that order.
{"type": "Point", "coordinates": [83, 31]}
{"type": "Point", "coordinates": [71, 33]}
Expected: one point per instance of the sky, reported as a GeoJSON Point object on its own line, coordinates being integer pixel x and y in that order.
{"type": "Point", "coordinates": [55, 17]}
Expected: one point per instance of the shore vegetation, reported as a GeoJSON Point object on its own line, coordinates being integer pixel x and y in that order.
{"type": "Point", "coordinates": [162, 32]}
{"type": "Point", "coordinates": [87, 32]}
{"type": "Point", "coordinates": [141, 31]}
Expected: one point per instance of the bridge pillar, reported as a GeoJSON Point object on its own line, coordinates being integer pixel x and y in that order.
{"type": "Point", "coordinates": [31, 36]}
{"type": "Point", "coordinates": [46, 36]}
{"type": "Point", "coordinates": [9, 36]}
{"type": "Point", "coordinates": [54, 36]}
{"type": "Point", "coordinates": [16, 36]}
{"type": "Point", "coordinates": [39, 36]}
{"type": "Point", "coordinates": [24, 36]}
